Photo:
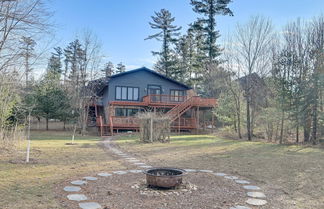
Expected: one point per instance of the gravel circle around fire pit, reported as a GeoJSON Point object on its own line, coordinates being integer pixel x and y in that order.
{"type": "Point", "coordinates": [199, 190]}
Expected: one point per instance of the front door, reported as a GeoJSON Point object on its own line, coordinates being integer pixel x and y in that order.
{"type": "Point", "coordinates": [155, 91]}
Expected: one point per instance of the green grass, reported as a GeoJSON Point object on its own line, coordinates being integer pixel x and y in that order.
{"type": "Point", "coordinates": [292, 176]}
{"type": "Point", "coordinates": [32, 185]}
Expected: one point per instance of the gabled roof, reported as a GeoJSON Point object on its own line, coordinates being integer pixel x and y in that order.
{"type": "Point", "coordinates": [150, 71]}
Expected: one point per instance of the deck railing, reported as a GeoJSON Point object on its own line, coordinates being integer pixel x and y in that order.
{"type": "Point", "coordinates": [164, 99]}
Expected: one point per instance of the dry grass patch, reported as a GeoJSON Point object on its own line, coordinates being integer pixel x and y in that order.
{"type": "Point", "coordinates": [291, 176]}
{"type": "Point", "coordinates": [32, 185]}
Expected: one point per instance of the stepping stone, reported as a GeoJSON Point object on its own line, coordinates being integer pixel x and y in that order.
{"type": "Point", "coordinates": [78, 182]}
{"type": "Point", "coordinates": [139, 163]}
{"type": "Point", "coordinates": [239, 207]}
{"type": "Point", "coordinates": [231, 177]}
{"type": "Point", "coordinates": [77, 197]}
{"type": "Point", "coordinates": [72, 189]}
{"type": "Point", "coordinates": [136, 171]}
{"type": "Point", "coordinates": [242, 181]}
{"type": "Point", "coordinates": [250, 187]}
{"type": "Point", "coordinates": [120, 172]}
{"type": "Point", "coordinates": [256, 202]}
{"type": "Point", "coordinates": [133, 161]}
{"type": "Point", "coordinates": [220, 174]}
{"type": "Point", "coordinates": [89, 205]}
{"type": "Point", "coordinates": [256, 194]}
{"type": "Point", "coordinates": [130, 158]}
{"type": "Point", "coordinates": [104, 174]}
{"type": "Point", "coordinates": [90, 178]}
{"type": "Point", "coordinates": [206, 171]}
{"type": "Point", "coordinates": [146, 166]}
{"type": "Point", "coordinates": [190, 170]}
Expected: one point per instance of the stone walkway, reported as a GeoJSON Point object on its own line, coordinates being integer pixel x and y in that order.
{"type": "Point", "coordinates": [254, 195]}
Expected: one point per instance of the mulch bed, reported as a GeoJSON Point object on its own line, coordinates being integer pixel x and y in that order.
{"type": "Point", "coordinates": [118, 192]}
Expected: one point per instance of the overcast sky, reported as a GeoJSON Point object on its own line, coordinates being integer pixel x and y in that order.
{"type": "Point", "coordinates": [122, 25]}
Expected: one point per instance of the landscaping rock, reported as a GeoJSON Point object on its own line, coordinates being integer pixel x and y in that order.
{"type": "Point", "coordinates": [90, 178]}
{"type": "Point", "coordinates": [78, 182]}
{"type": "Point", "coordinates": [242, 181]}
{"type": "Point", "coordinates": [120, 172]}
{"type": "Point", "coordinates": [231, 177]}
{"type": "Point", "coordinates": [256, 194]}
{"type": "Point", "coordinates": [72, 189]}
{"type": "Point", "coordinates": [206, 171]}
{"type": "Point", "coordinates": [256, 202]}
{"type": "Point", "coordinates": [77, 197]}
{"type": "Point", "coordinates": [220, 174]}
{"type": "Point", "coordinates": [89, 205]}
{"type": "Point", "coordinates": [250, 187]}
{"type": "Point", "coordinates": [104, 174]}
{"type": "Point", "coordinates": [239, 207]}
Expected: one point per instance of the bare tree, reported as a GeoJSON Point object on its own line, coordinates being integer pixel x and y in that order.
{"type": "Point", "coordinates": [254, 41]}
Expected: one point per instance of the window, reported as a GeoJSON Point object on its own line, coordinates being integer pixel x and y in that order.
{"type": "Point", "coordinates": [177, 95]}
{"type": "Point", "coordinates": [127, 93]}
{"type": "Point", "coordinates": [126, 112]}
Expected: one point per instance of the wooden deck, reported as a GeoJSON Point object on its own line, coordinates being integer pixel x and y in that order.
{"type": "Point", "coordinates": [167, 101]}
{"type": "Point", "coordinates": [177, 105]}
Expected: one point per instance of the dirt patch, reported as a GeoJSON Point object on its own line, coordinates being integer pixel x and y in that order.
{"type": "Point", "coordinates": [118, 192]}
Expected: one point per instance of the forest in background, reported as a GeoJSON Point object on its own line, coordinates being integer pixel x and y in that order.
{"type": "Point", "coordinates": [269, 84]}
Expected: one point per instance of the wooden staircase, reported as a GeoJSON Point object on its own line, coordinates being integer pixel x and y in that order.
{"type": "Point", "coordinates": [180, 109]}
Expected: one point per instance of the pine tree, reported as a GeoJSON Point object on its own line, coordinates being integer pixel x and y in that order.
{"type": "Point", "coordinates": [28, 52]}
{"type": "Point", "coordinates": [55, 61]}
{"type": "Point", "coordinates": [168, 33]}
{"type": "Point", "coordinates": [109, 69]}
{"type": "Point", "coordinates": [209, 9]}
{"type": "Point", "coordinates": [74, 57]}
{"type": "Point", "coordinates": [120, 68]}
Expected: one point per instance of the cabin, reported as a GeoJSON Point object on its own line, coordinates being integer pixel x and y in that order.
{"type": "Point", "coordinates": [120, 97]}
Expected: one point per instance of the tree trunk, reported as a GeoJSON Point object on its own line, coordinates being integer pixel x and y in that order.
{"type": "Point", "coordinates": [282, 126]}
{"type": "Point", "coordinates": [297, 134]}
{"type": "Point", "coordinates": [46, 123]}
{"type": "Point", "coordinates": [248, 119]}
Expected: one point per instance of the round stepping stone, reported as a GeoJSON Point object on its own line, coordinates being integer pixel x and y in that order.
{"type": "Point", "coordinates": [139, 163]}
{"type": "Point", "coordinates": [72, 189]}
{"type": "Point", "coordinates": [220, 174]}
{"type": "Point", "coordinates": [77, 197]}
{"type": "Point", "coordinates": [133, 161]}
{"type": "Point", "coordinates": [146, 166]}
{"type": "Point", "coordinates": [89, 205]}
{"type": "Point", "coordinates": [206, 171]}
{"type": "Point", "coordinates": [239, 207]}
{"type": "Point", "coordinates": [231, 177]}
{"type": "Point", "coordinates": [242, 181]}
{"type": "Point", "coordinates": [104, 174]}
{"type": "Point", "coordinates": [90, 178]}
{"type": "Point", "coordinates": [136, 171]}
{"type": "Point", "coordinates": [120, 172]}
{"type": "Point", "coordinates": [78, 182]}
{"type": "Point", "coordinates": [190, 170]}
{"type": "Point", "coordinates": [250, 187]}
{"type": "Point", "coordinates": [256, 202]}
{"type": "Point", "coordinates": [256, 194]}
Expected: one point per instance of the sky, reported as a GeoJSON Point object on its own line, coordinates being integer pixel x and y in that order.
{"type": "Point", "coordinates": [122, 25]}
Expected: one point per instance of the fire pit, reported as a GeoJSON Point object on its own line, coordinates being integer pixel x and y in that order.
{"type": "Point", "coordinates": [164, 177]}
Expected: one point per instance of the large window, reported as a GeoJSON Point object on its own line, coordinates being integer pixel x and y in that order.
{"type": "Point", "coordinates": [126, 112]}
{"type": "Point", "coordinates": [177, 95]}
{"type": "Point", "coordinates": [127, 93]}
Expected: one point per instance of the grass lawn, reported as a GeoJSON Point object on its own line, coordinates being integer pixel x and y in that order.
{"type": "Point", "coordinates": [291, 176]}
{"type": "Point", "coordinates": [32, 185]}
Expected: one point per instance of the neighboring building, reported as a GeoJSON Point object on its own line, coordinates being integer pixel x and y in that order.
{"type": "Point", "coordinates": [120, 97]}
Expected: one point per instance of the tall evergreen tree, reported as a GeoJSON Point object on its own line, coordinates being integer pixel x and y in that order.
{"type": "Point", "coordinates": [168, 33]}
{"type": "Point", "coordinates": [55, 61]}
{"type": "Point", "coordinates": [120, 68]}
{"type": "Point", "coordinates": [209, 9]}
{"type": "Point", "coordinates": [109, 69]}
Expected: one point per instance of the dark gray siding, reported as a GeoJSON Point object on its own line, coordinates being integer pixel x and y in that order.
{"type": "Point", "coordinates": [140, 79]}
